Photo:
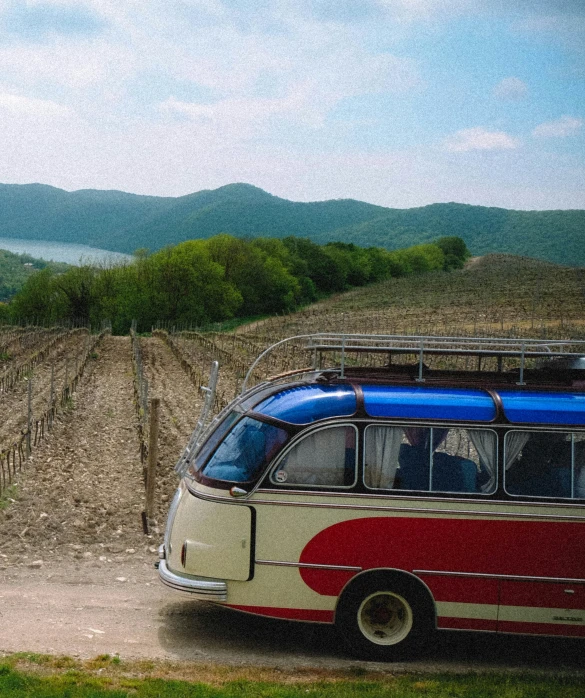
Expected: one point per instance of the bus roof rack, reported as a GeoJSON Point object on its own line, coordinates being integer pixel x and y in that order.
{"type": "Point", "coordinates": [422, 346]}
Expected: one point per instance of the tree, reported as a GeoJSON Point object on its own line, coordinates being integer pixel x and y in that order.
{"type": "Point", "coordinates": [455, 251]}
{"type": "Point", "coordinates": [75, 287]}
{"type": "Point", "coordinates": [38, 298]}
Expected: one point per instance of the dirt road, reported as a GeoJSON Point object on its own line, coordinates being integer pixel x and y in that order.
{"type": "Point", "coordinates": [87, 609]}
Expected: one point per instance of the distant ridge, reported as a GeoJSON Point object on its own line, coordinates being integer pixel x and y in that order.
{"type": "Point", "coordinates": [124, 222]}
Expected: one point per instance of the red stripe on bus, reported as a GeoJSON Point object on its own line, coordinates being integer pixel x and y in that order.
{"type": "Point", "coordinates": [462, 589]}
{"type": "Point", "coordinates": [287, 613]}
{"type": "Point", "coordinates": [465, 623]}
{"type": "Point", "coordinates": [525, 548]}
{"type": "Point", "coordinates": [565, 630]}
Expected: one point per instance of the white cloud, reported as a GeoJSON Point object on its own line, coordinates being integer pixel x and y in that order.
{"type": "Point", "coordinates": [479, 138]}
{"type": "Point", "coordinates": [241, 118]}
{"type": "Point", "coordinates": [559, 128]}
{"type": "Point", "coordinates": [19, 106]}
{"type": "Point", "coordinates": [414, 10]}
{"type": "Point", "coordinates": [511, 88]}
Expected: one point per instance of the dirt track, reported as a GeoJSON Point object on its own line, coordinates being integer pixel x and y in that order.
{"type": "Point", "coordinates": [77, 573]}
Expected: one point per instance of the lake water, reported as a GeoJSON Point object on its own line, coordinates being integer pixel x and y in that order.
{"type": "Point", "coordinates": [62, 251]}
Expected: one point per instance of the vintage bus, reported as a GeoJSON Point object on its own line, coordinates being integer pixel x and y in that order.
{"type": "Point", "coordinates": [439, 483]}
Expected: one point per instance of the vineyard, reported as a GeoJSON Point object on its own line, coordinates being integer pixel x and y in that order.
{"type": "Point", "coordinates": [75, 404]}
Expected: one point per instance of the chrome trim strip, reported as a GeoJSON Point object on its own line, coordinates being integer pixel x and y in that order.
{"type": "Point", "coordinates": [309, 566]}
{"type": "Point", "coordinates": [418, 498]}
{"type": "Point", "coordinates": [410, 510]}
{"type": "Point", "coordinates": [513, 577]}
{"type": "Point", "coordinates": [200, 588]}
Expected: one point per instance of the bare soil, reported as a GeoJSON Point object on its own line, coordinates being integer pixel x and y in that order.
{"type": "Point", "coordinates": [77, 573]}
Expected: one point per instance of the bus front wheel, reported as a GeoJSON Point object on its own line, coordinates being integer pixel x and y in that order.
{"type": "Point", "coordinates": [384, 617]}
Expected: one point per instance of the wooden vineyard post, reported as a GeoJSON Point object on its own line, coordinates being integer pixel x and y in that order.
{"type": "Point", "coordinates": [151, 463]}
{"type": "Point", "coordinates": [29, 422]}
{"type": "Point", "coordinates": [51, 397]}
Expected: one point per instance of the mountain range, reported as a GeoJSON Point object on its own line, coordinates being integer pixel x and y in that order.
{"type": "Point", "coordinates": [123, 222]}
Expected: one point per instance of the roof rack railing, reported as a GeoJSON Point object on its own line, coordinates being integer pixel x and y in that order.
{"type": "Point", "coordinates": [429, 345]}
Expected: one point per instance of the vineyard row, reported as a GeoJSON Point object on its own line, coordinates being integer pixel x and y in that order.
{"type": "Point", "coordinates": [14, 457]}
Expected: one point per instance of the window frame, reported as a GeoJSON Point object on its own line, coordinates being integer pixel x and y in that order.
{"type": "Point", "coordinates": [432, 492]}
{"type": "Point", "coordinates": [532, 497]}
{"type": "Point", "coordinates": [270, 482]}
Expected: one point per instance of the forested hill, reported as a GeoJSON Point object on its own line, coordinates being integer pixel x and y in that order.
{"type": "Point", "coordinates": [125, 222]}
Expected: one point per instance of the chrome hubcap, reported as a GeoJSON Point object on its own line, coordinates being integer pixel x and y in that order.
{"type": "Point", "coordinates": [385, 618]}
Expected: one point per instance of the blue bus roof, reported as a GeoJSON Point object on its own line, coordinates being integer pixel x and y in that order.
{"type": "Point", "coordinates": [304, 404]}
{"type": "Point", "coordinates": [524, 407]}
{"type": "Point", "coordinates": [460, 404]}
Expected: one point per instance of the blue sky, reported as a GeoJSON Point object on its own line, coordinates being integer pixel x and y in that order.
{"type": "Point", "coordinates": [396, 102]}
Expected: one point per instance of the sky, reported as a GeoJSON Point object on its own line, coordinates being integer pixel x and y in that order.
{"type": "Point", "coordinates": [400, 103]}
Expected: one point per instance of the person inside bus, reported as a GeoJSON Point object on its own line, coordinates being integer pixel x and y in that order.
{"type": "Point", "coordinates": [542, 468]}
{"type": "Point", "coordinates": [450, 473]}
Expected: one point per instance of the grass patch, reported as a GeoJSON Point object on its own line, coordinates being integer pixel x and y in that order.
{"type": "Point", "coordinates": [9, 496]}
{"type": "Point", "coordinates": [26, 675]}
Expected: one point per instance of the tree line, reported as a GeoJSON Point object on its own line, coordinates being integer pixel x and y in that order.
{"type": "Point", "coordinates": [202, 281]}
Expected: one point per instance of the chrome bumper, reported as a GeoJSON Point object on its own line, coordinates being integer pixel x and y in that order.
{"type": "Point", "coordinates": [200, 587]}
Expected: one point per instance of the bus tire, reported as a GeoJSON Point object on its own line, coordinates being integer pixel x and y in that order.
{"type": "Point", "coordinates": [385, 616]}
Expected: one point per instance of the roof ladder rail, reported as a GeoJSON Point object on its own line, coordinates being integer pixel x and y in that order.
{"type": "Point", "coordinates": [522, 361]}
{"type": "Point", "coordinates": [420, 378]}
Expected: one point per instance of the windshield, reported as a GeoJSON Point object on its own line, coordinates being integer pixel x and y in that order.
{"type": "Point", "coordinates": [245, 451]}
{"type": "Point", "coordinates": [214, 439]}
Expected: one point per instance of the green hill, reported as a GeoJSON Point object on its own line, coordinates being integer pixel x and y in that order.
{"type": "Point", "coordinates": [124, 222]}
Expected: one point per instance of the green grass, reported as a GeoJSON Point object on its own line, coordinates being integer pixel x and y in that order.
{"type": "Point", "coordinates": [109, 677]}
{"type": "Point", "coordinates": [8, 496]}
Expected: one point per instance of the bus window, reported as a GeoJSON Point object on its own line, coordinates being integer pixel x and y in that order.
{"type": "Point", "coordinates": [579, 466]}
{"type": "Point", "coordinates": [465, 461]}
{"type": "Point", "coordinates": [215, 438]}
{"type": "Point", "coordinates": [324, 458]}
{"type": "Point", "coordinates": [430, 459]}
{"type": "Point", "coordinates": [545, 464]}
{"type": "Point", "coordinates": [245, 451]}
{"type": "Point", "coordinates": [382, 449]}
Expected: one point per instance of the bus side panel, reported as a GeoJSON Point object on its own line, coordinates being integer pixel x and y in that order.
{"type": "Point", "coordinates": [441, 549]}
{"type": "Point", "coordinates": [464, 603]}
{"type": "Point", "coordinates": [542, 608]}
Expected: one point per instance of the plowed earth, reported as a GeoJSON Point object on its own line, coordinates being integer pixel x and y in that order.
{"type": "Point", "coordinates": [77, 572]}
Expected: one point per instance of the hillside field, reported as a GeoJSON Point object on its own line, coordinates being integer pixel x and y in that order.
{"type": "Point", "coordinates": [100, 412]}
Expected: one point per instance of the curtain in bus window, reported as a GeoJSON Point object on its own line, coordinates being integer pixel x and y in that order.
{"type": "Point", "coordinates": [580, 483]}
{"type": "Point", "coordinates": [322, 458]}
{"type": "Point", "coordinates": [382, 450]}
{"type": "Point", "coordinates": [579, 465]}
{"type": "Point", "coordinates": [485, 443]}
{"type": "Point", "coordinates": [515, 442]}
